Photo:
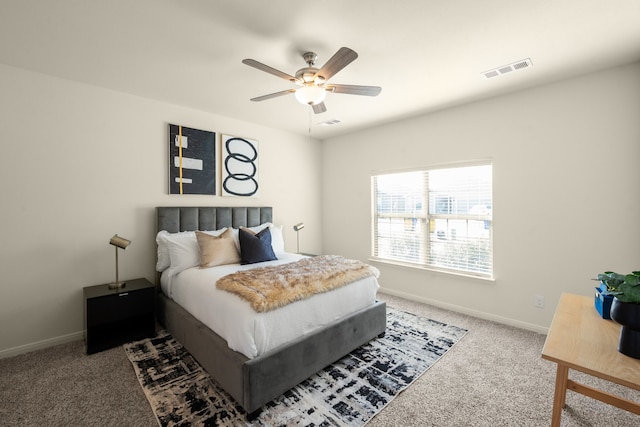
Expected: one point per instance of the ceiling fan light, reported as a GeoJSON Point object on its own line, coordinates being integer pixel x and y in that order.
{"type": "Point", "coordinates": [310, 95]}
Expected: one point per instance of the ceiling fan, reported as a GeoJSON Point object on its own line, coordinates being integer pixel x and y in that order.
{"type": "Point", "coordinates": [312, 81]}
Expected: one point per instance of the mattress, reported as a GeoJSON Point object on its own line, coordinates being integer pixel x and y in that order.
{"type": "Point", "coordinates": [252, 333]}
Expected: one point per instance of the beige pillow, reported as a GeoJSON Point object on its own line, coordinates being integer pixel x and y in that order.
{"type": "Point", "coordinates": [217, 250]}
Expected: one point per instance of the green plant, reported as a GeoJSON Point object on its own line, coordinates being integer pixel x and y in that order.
{"type": "Point", "coordinates": [625, 287]}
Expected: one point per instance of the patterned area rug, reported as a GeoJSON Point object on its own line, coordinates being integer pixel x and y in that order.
{"type": "Point", "coordinates": [347, 393]}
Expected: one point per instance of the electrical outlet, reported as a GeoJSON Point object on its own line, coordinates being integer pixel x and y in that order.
{"type": "Point", "coordinates": [538, 301]}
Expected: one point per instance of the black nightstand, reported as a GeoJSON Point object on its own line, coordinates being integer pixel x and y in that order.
{"type": "Point", "coordinates": [116, 316]}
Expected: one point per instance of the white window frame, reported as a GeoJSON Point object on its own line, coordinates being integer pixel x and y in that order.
{"type": "Point", "coordinates": [419, 244]}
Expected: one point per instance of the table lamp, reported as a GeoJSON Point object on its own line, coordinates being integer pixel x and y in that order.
{"type": "Point", "coordinates": [122, 243]}
{"type": "Point", "coordinates": [297, 228]}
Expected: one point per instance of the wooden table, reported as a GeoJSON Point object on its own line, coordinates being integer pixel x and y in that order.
{"type": "Point", "coordinates": [580, 339]}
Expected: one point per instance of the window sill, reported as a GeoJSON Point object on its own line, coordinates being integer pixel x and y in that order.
{"type": "Point", "coordinates": [431, 269]}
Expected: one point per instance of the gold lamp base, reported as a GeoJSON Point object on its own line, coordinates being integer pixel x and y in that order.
{"type": "Point", "coordinates": [117, 285]}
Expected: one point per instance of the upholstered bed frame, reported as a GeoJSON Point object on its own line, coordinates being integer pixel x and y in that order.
{"type": "Point", "coordinates": [255, 382]}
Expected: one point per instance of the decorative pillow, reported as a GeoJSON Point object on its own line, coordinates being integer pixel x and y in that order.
{"type": "Point", "coordinates": [277, 240]}
{"type": "Point", "coordinates": [217, 250]}
{"type": "Point", "coordinates": [255, 247]}
{"type": "Point", "coordinates": [256, 229]}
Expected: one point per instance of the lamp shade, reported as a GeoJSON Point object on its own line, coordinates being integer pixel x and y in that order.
{"type": "Point", "coordinates": [310, 94]}
{"type": "Point", "coordinates": [120, 242]}
{"type": "Point", "coordinates": [298, 226]}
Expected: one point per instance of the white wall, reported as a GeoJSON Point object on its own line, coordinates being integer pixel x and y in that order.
{"type": "Point", "coordinates": [566, 162]}
{"type": "Point", "coordinates": [81, 163]}
{"type": "Point", "coordinates": [565, 193]}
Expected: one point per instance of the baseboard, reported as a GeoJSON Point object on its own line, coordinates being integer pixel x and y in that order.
{"type": "Point", "coordinates": [39, 345]}
{"type": "Point", "coordinates": [459, 309]}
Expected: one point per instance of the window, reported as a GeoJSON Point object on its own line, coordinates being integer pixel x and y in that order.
{"type": "Point", "coordinates": [438, 218]}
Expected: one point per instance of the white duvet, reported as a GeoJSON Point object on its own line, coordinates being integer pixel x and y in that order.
{"type": "Point", "coordinates": [252, 333]}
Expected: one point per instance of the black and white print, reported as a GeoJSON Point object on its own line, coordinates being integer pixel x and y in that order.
{"type": "Point", "coordinates": [192, 161]}
{"type": "Point", "coordinates": [347, 393]}
{"type": "Point", "coordinates": [239, 166]}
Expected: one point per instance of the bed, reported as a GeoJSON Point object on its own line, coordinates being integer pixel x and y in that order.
{"type": "Point", "coordinates": [254, 380]}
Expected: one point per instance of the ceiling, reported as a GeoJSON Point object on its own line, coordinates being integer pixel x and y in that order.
{"type": "Point", "coordinates": [426, 55]}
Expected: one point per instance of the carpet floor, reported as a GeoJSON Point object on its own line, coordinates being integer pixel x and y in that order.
{"type": "Point", "coordinates": [493, 377]}
{"type": "Point", "coordinates": [347, 393]}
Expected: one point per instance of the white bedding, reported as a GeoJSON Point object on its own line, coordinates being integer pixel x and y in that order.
{"type": "Point", "coordinates": [252, 333]}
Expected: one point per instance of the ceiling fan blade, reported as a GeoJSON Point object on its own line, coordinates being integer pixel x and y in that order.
{"type": "Point", "coordinates": [354, 89]}
{"type": "Point", "coordinates": [319, 108]}
{"type": "Point", "coordinates": [343, 57]}
{"type": "Point", "coordinates": [272, 95]}
{"type": "Point", "coordinates": [260, 66]}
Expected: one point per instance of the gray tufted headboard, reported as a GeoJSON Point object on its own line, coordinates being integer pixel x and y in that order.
{"type": "Point", "coordinates": [175, 219]}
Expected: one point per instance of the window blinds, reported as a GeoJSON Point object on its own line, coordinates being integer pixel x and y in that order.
{"type": "Point", "coordinates": [438, 218]}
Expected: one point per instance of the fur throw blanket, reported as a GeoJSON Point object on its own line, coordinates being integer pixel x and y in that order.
{"type": "Point", "coordinates": [267, 288]}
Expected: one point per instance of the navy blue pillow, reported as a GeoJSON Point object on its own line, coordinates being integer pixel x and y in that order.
{"type": "Point", "coordinates": [255, 247]}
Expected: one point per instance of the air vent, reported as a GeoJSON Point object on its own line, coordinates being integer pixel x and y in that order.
{"type": "Point", "coordinates": [505, 69]}
{"type": "Point", "coordinates": [522, 64]}
{"type": "Point", "coordinates": [330, 122]}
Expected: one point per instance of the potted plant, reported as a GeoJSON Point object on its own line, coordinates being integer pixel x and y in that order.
{"type": "Point", "coordinates": [625, 308]}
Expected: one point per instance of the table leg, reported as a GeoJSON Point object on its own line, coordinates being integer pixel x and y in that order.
{"type": "Point", "coordinates": [560, 395]}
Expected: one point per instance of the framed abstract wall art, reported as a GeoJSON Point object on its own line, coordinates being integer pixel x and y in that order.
{"type": "Point", "coordinates": [239, 166]}
{"type": "Point", "coordinates": [192, 161]}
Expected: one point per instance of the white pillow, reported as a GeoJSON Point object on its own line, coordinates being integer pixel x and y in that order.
{"type": "Point", "coordinates": [183, 252]}
{"type": "Point", "coordinates": [277, 241]}
{"type": "Point", "coordinates": [162, 238]}
{"type": "Point", "coordinates": [162, 262]}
